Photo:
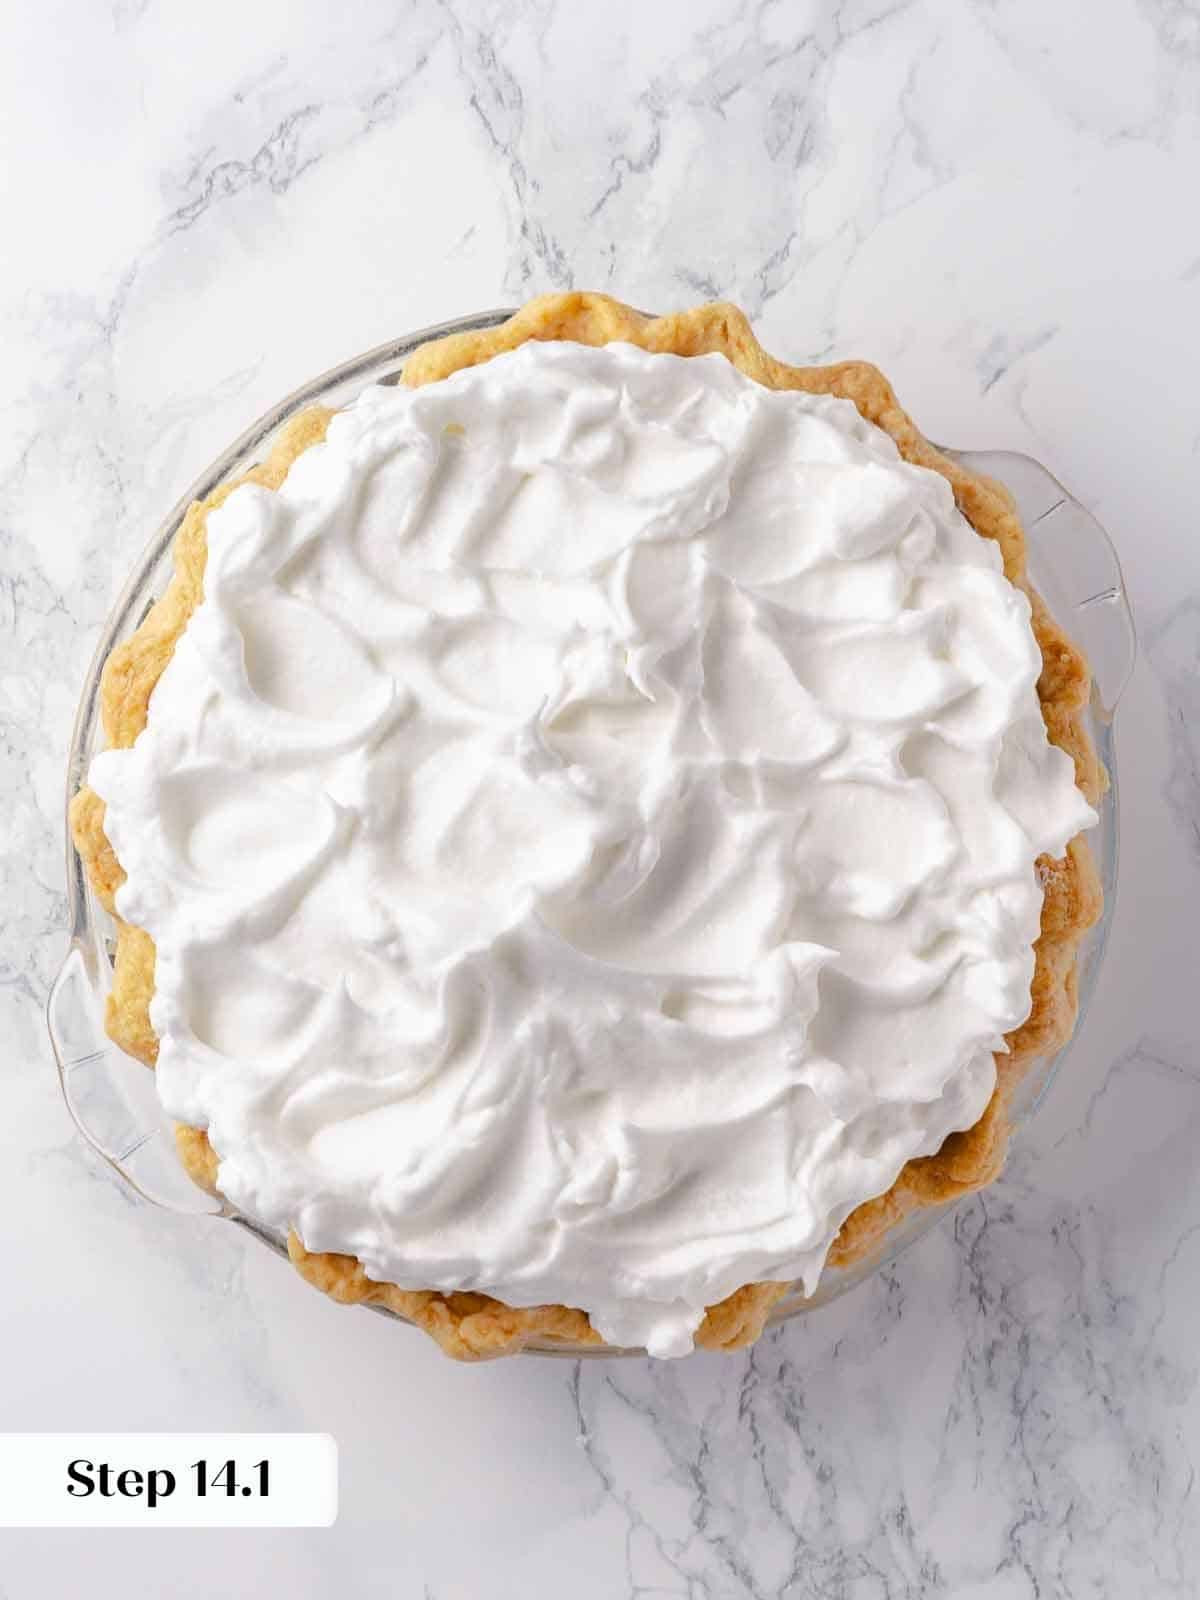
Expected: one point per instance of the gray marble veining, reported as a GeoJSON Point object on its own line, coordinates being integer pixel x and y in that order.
{"type": "Point", "coordinates": [993, 201]}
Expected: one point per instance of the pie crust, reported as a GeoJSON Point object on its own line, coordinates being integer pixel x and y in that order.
{"type": "Point", "coordinates": [473, 1326]}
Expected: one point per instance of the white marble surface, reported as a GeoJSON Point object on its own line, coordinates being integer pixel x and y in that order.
{"type": "Point", "coordinates": [997, 201]}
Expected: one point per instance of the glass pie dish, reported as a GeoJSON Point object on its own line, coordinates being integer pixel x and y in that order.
{"type": "Point", "coordinates": [112, 1097]}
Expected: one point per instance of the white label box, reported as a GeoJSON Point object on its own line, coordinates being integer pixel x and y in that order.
{"type": "Point", "coordinates": [168, 1480]}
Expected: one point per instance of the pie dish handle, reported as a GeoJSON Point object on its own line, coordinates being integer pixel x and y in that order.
{"type": "Point", "coordinates": [110, 1096]}
{"type": "Point", "coordinates": [1073, 565]}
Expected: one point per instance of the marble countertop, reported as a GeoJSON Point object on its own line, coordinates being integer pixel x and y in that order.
{"type": "Point", "coordinates": [996, 201]}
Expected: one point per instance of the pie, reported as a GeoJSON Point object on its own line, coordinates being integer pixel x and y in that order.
{"type": "Point", "coordinates": [591, 824]}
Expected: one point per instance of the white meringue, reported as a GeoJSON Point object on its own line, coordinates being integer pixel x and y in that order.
{"type": "Point", "coordinates": [588, 832]}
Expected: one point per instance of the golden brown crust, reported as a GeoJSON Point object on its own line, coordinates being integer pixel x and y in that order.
{"type": "Point", "coordinates": [199, 1159]}
{"type": "Point", "coordinates": [472, 1327]}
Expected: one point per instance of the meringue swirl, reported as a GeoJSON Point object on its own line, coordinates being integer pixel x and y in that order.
{"type": "Point", "coordinates": [588, 833]}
